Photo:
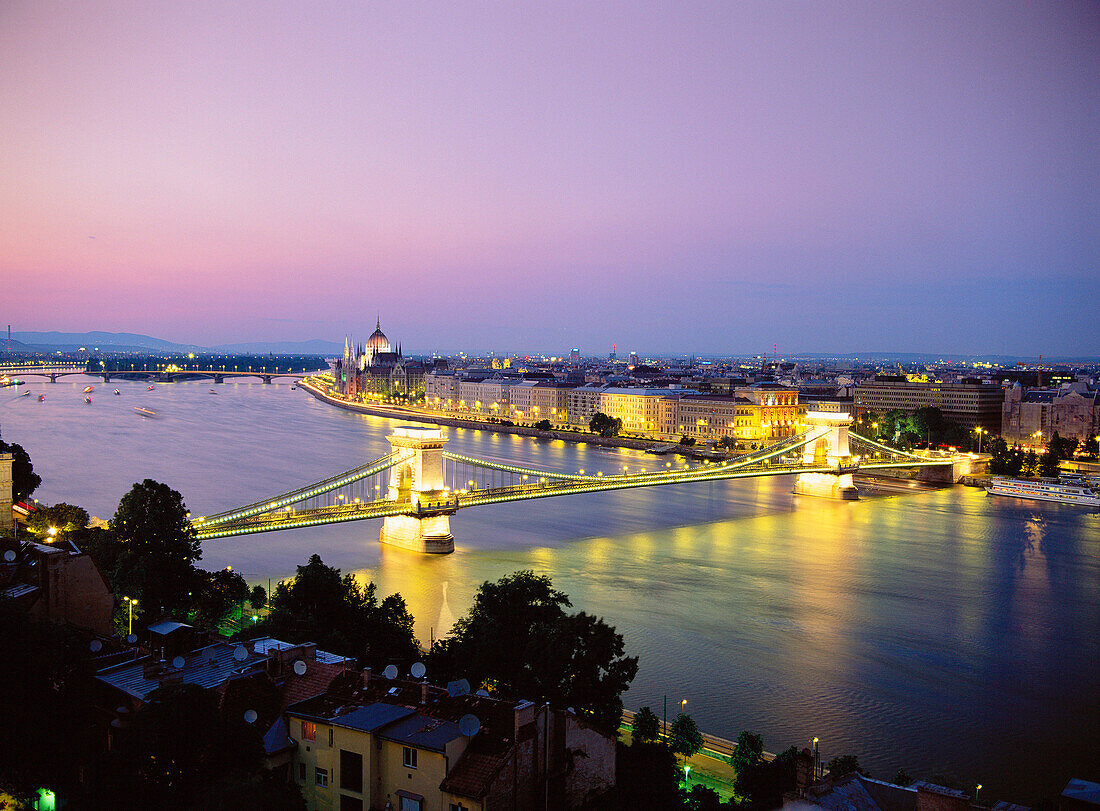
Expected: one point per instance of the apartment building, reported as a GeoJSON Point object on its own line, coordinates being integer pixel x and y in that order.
{"type": "Point", "coordinates": [971, 405]}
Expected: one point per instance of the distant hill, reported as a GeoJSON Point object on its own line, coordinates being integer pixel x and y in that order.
{"type": "Point", "coordinates": [134, 342]}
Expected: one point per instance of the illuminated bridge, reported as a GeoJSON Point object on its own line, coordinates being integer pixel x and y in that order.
{"type": "Point", "coordinates": [418, 485]}
{"type": "Point", "coordinates": [162, 373]}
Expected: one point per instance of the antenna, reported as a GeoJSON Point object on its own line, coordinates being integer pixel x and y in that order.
{"type": "Point", "coordinates": [250, 716]}
{"type": "Point", "coordinates": [390, 672]}
{"type": "Point", "coordinates": [179, 662]}
{"type": "Point", "coordinates": [458, 688]}
{"type": "Point", "coordinates": [418, 670]}
{"type": "Point", "coordinates": [240, 653]}
{"type": "Point", "coordinates": [469, 725]}
{"type": "Point", "coordinates": [300, 667]}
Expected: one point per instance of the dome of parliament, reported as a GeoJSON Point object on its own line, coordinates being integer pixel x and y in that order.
{"type": "Point", "coordinates": [378, 340]}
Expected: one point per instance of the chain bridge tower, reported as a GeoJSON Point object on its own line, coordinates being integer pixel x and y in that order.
{"type": "Point", "coordinates": [417, 479]}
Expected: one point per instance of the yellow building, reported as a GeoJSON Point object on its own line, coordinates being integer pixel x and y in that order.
{"type": "Point", "coordinates": [755, 414]}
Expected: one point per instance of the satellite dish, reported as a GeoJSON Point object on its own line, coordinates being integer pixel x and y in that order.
{"type": "Point", "coordinates": [458, 688]}
{"type": "Point", "coordinates": [469, 725]}
{"type": "Point", "coordinates": [250, 716]}
{"type": "Point", "coordinates": [131, 639]}
{"type": "Point", "coordinates": [300, 667]}
{"type": "Point", "coordinates": [9, 556]}
{"type": "Point", "coordinates": [178, 662]}
{"type": "Point", "coordinates": [483, 693]}
{"type": "Point", "coordinates": [418, 670]}
{"type": "Point", "coordinates": [240, 653]}
{"type": "Point", "coordinates": [390, 672]}
{"type": "Point", "coordinates": [96, 646]}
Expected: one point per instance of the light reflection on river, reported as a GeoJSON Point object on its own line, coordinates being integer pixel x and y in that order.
{"type": "Point", "coordinates": [939, 630]}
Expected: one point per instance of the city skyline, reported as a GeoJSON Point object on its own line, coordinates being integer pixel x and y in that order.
{"type": "Point", "coordinates": [713, 179]}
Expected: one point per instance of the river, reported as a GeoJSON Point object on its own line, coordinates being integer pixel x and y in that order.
{"type": "Point", "coordinates": [937, 631]}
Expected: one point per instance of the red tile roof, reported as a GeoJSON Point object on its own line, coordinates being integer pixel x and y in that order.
{"type": "Point", "coordinates": [473, 774]}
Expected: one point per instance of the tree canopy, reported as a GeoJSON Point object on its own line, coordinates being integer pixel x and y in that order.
{"type": "Point", "coordinates": [61, 516]}
{"type": "Point", "coordinates": [319, 605]}
{"type": "Point", "coordinates": [518, 640]}
{"type": "Point", "coordinates": [24, 480]}
{"type": "Point", "coordinates": [605, 425]}
{"type": "Point", "coordinates": [157, 547]}
{"type": "Point", "coordinates": [646, 725]}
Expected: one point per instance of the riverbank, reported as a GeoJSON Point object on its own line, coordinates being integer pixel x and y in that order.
{"type": "Point", "coordinates": [401, 413]}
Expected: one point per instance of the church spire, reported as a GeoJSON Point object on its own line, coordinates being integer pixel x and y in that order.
{"type": "Point", "coordinates": [377, 321]}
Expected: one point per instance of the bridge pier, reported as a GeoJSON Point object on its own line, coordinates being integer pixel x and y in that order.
{"type": "Point", "coordinates": [53, 378]}
{"type": "Point", "coordinates": [418, 479]}
{"type": "Point", "coordinates": [829, 450]}
{"type": "Point", "coordinates": [267, 380]}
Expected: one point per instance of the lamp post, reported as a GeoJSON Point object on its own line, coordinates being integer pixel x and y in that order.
{"type": "Point", "coordinates": [979, 431]}
{"type": "Point", "coordinates": [977, 788]}
{"type": "Point", "coordinates": [130, 620]}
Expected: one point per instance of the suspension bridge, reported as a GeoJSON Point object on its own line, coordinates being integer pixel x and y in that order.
{"type": "Point", "coordinates": [418, 485]}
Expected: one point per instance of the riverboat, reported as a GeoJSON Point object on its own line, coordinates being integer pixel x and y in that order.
{"type": "Point", "coordinates": [1061, 492]}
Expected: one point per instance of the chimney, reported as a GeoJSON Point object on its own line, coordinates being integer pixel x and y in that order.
{"type": "Point", "coordinates": [424, 693]}
{"type": "Point", "coordinates": [804, 771]}
{"type": "Point", "coordinates": [366, 678]}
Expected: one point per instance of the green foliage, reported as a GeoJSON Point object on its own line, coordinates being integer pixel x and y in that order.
{"type": "Point", "coordinates": [24, 480]}
{"type": "Point", "coordinates": [61, 516]}
{"type": "Point", "coordinates": [257, 598]}
{"type": "Point", "coordinates": [543, 425]}
{"type": "Point", "coordinates": [902, 778]}
{"type": "Point", "coordinates": [215, 594]}
{"type": "Point", "coordinates": [727, 443]}
{"type": "Point", "coordinates": [1092, 447]}
{"type": "Point", "coordinates": [158, 547]}
{"type": "Point", "coordinates": [749, 751]}
{"type": "Point", "coordinates": [845, 764]}
{"type": "Point", "coordinates": [684, 737]}
{"type": "Point", "coordinates": [646, 725]}
{"type": "Point", "coordinates": [319, 605]}
{"type": "Point", "coordinates": [604, 425]}
{"type": "Point", "coordinates": [518, 638]}
{"type": "Point", "coordinates": [686, 440]}
{"type": "Point", "coordinates": [701, 798]}
{"type": "Point", "coordinates": [762, 783]}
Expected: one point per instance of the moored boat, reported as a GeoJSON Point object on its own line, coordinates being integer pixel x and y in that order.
{"type": "Point", "coordinates": [1074, 492]}
{"type": "Point", "coordinates": [145, 412]}
{"type": "Point", "coordinates": [89, 389]}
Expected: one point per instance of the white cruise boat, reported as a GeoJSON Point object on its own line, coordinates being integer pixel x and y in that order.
{"type": "Point", "coordinates": [1064, 493]}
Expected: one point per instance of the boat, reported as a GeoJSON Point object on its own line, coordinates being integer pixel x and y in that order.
{"type": "Point", "coordinates": [117, 393]}
{"type": "Point", "coordinates": [1062, 492]}
{"type": "Point", "coordinates": [89, 389]}
{"type": "Point", "coordinates": [88, 400]}
{"type": "Point", "coordinates": [145, 412]}
{"type": "Point", "coordinates": [212, 391]}
{"type": "Point", "coordinates": [42, 398]}
{"type": "Point", "coordinates": [150, 388]}
{"type": "Point", "coordinates": [25, 394]}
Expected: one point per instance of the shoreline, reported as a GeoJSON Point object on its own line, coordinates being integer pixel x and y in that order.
{"type": "Point", "coordinates": [520, 430]}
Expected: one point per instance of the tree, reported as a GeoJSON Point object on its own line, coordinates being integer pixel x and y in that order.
{"type": "Point", "coordinates": [749, 751]}
{"type": "Point", "coordinates": [763, 782]}
{"type": "Point", "coordinates": [518, 639]}
{"type": "Point", "coordinates": [158, 547]}
{"type": "Point", "coordinates": [701, 798]}
{"type": "Point", "coordinates": [902, 778]}
{"type": "Point", "coordinates": [319, 605]}
{"type": "Point", "coordinates": [686, 440]}
{"type": "Point", "coordinates": [727, 443]}
{"type": "Point", "coordinates": [1048, 464]}
{"type": "Point", "coordinates": [257, 598]}
{"type": "Point", "coordinates": [216, 594]}
{"type": "Point", "coordinates": [604, 425]}
{"type": "Point", "coordinates": [24, 480]}
{"type": "Point", "coordinates": [646, 777]}
{"type": "Point", "coordinates": [684, 737]}
{"type": "Point", "coordinates": [61, 516]}
{"type": "Point", "coordinates": [845, 764]}
{"type": "Point", "coordinates": [543, 425]}
{"type": "Point", "coordinates": [646, 725]}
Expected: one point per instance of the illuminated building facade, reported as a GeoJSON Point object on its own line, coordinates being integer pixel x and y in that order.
{"type": "Point", "coordinates": [970, 405]}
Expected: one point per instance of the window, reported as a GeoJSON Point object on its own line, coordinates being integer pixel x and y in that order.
{"type": "Point", "coordinates": [309, 731]}
{"type": "Point", "coordinates": [320, 777]}
{"type": "Point", "coordinates": [350, 803]}
{"type": "Point", "coordinates": [351, 771]}
{"type": "Point", "coordinates": [330, 736]}
{"type": "Point", "coordinates": [409, 757]}
{"type": "Point", "coordinates": [409, 803]}
{"type": "Point", "coordinates": [457, 807]}
{"type": "Point", "coordinates": [301, 772]}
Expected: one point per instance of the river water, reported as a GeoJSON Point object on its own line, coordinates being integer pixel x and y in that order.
{"type": "Point", "coordinates": [937, 631]}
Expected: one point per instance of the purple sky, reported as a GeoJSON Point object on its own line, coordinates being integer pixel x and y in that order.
{"type": "Point", "coordinates": [533, 176]}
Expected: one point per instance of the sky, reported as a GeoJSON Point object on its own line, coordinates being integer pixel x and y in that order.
{"type": "Point", "coordinates": [671, 177]}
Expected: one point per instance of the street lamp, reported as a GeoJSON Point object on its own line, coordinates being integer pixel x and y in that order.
{"type": "Point", "coordinates": [130, 621]}
{"type": "Point", "coordinates": [979, 431]}
{"type": "Point", "coordinates": [683, 703]}
{"type": "Point", "coordinates": [977, 788]}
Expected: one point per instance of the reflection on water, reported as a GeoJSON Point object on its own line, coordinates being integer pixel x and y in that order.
{"type": "Point", "coordinates": [944, 629]}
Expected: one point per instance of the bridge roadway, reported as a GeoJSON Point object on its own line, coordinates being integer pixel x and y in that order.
{"type": "Point", "coordinates": [278, 514]}
{"type": "Point", "coordinates": [163, 375]}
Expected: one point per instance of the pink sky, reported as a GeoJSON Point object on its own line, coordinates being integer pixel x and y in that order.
{"type": "Point", "coordinates": [673, 177]}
